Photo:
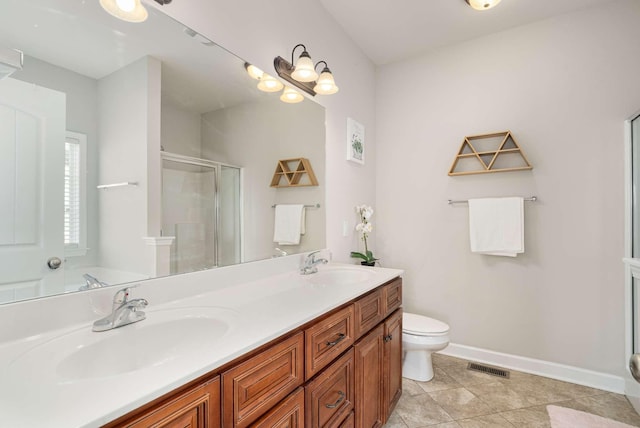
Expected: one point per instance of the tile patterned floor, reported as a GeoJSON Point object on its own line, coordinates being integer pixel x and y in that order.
{"type": "Point", "coordinates": [460, 398]}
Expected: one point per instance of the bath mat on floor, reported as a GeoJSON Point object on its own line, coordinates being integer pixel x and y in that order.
{"type": "Point", "coordinates": [561, 417]}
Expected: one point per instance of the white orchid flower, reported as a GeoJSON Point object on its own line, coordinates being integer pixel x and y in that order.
{"type": "Point", "coordinates": [367, 228]}
{"type": "Point", "coordinates": [360, 227]}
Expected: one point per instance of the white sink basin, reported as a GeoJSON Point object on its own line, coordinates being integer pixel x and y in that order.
{"type": "Point", "coordinates": [165, 336]}
{"type": "Point", "coordinates": [342, 275]}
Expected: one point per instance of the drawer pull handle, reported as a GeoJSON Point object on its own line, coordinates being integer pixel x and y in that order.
{"type": "Point", "coordinates": [388, 338]}
{"type": "Point", "coordinates": [341, 337]}
{"type": "Point", "coordinates": [337, 403]}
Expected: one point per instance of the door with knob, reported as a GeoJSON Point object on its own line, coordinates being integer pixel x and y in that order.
{"type": "Point", "coordinates": [32, 130]}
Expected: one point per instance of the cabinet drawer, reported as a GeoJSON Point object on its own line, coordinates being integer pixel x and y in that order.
{"type": "Point", "coordinates": [392, 296]}
{"type": "Point", "coordinates": [252, 388]}
{"type": "Point", "coordinates": [350, 422]}
{"type": "Point", "coordinates": [288, 414]}
{"type": "Point", "coordinates": [327, 339]}
{"type": "Point", "coordinates": [329, 397]}
{"type": "Point", "coordinates": [197, 408]}
{"type": "Point", "coordinates": [368, 311]}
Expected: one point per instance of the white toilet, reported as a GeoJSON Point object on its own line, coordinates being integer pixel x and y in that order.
{"type": "Point", "coordinates": [421, 336]}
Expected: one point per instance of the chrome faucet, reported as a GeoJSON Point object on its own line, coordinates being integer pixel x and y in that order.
{"type": "Point", "coordinates": [124, 312]}
{"type": "Point", "coordinates": [310, 264]}
{"type": "Point", "coordinates": [280, 253]}
{"type": "Point", "coordinates": [92, 282]}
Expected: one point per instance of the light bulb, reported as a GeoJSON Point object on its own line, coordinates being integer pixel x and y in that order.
{"type": "Point", "coordinates": [482, 4]}
{"type": "Point", "coordinates": [126, 5]}
{"type": "Point", "coordinates": [254, 71]}
{"type": "Point", "coordinates": [325, 85]}
{"type": "Point", "coordinates": [269, 83]}
{"type": "Point", "coordinates": [290, 95]}
{"type": "Point", "coordinates": [126, 10]}
{"type": "Point", "coordinates": [304, 71]}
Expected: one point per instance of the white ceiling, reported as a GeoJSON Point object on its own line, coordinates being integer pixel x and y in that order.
{"type": "Point", "coordinates": [392, 30]}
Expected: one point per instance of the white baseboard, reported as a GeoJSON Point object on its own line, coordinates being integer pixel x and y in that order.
{"type": "Point", "coordinates": [562, 372]}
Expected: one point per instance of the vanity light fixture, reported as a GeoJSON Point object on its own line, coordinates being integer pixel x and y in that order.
{"type": "Point", "coordinates": [11, 60]}
{"type": "Point", "coordinates": [266, 82]}
{"type": "Point", "coordinates": [126, 10]}
{"type": "Point", "coordinates": [303, 75]}
{"type": "Point", "coordinates": [291, 96]}
{"type": "Point", "coordinates": [482, 4]}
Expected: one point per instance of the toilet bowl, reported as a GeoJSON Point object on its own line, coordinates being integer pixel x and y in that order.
{"type": "Point", "coordinates": [421, 336]}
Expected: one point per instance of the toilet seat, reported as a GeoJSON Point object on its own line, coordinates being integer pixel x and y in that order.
{"type": "Point", "coordinates": [419, 325]}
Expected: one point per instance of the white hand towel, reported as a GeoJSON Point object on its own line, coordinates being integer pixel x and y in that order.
{"type": "Point", "coordinates": [289, 224]}
{"type": "Point", "coordinates": [496, 226]}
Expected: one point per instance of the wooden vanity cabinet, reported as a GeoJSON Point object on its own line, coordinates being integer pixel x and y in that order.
{"type": "Point", "coordinates": [197, 407]}
{"type": "Point", "coordinates": [341, 370]}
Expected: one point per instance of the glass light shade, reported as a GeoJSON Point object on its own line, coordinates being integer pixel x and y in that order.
{"type": "Point", "coordinates": [290, 95]}
{"type": "Point", "coordinates": [254, 72]}
{"type": "Point", "coordinates": [269, 83]}
{"type": "Point", "coordinates": [325, 85]}
{"type": "Point", "coordinates": [482, 4]}
{"type": "Point", "coordinates": [126, 10]}
{"type": "Point", "coordinates": [304, 71]}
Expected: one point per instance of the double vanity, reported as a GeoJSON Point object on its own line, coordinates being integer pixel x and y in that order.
{"type": "Point", "coordinates": [253, 345]}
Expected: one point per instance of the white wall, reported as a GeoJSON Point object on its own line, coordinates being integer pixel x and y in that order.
{"type": "Point", "coordinates": [563, 87]}
{"type": "Point", "coordinates": [268, 29]}
{"type": "Point", "coordinates": [129, 142]}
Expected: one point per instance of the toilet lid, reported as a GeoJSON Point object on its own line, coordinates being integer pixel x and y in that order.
{"type": "Point", "coordinates": [421, 325]}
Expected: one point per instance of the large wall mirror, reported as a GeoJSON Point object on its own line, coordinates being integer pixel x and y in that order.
{"type": "Point", "coordinates": [133, 151]}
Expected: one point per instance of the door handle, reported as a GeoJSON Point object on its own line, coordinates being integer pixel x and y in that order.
{"type": "Point", "coordinates": [634, 366]}
{"type": "Point", "coordinates": [54, 263]}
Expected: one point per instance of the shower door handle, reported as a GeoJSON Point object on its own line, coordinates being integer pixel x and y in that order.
{"type": "Point", "coordinates": [634, 366]}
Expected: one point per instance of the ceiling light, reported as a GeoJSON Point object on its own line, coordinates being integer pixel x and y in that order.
{"type": "Point", "coordinates": [291, 96]}
{"type": "Point", "coordinates": [482, 4]}
{"type": "Point", "coordinates": [11, 60]}
{"type": "Point", "coordinates": [126, 10]}
{"type": "Point", "coordinates": [325, 84]}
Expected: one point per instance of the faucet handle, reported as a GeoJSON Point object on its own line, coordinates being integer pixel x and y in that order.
{"type": "Point", "coordinates": [124, 292]}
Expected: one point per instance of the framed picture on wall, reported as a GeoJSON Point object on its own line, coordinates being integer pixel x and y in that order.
{"type": "Point", "coordinates": [355, 141]}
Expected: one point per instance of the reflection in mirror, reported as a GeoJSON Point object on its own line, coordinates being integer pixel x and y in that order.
{"type": "Point", "coordinates": [132, 151]}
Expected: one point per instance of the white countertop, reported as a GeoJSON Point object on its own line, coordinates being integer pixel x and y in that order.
{"type": "Point", "coordinates": [35, 390]}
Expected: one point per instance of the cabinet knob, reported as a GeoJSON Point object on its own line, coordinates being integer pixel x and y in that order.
{"type": "Point", "coordinates": [388, 338]}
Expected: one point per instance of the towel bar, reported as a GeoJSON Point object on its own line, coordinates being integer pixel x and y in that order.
{"type": "Point", "coordinates": [306, 206]}
{"type": "Point", "coordinates": [464, 201]}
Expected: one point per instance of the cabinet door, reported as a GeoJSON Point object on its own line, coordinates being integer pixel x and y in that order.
{"type": "Point", "coordinates": [288, 414]}
{"type": "Point", "coordinates": [327, 339]}
{"type": "Point", "coordinates": [252, 388]}
{"type": "Point", "coordinates": [392, 362]}
{"type": "Point", "coordinates": [329, 397]}
{"type": "Point", "coordinates": [368, 311]}
{"type": "Point", "coordinates": [196, 408]}
{"type": "Point", "coordinates": [369, 365]}
{"type": "Point", "coordinates": [392, 296]}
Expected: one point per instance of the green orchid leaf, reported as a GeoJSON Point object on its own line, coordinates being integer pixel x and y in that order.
{"type": "Point", "coordinates": [357, 255]}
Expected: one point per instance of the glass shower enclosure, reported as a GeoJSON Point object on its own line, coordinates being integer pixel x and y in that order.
{"type": "Point", "coordinates": [201, 209]}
